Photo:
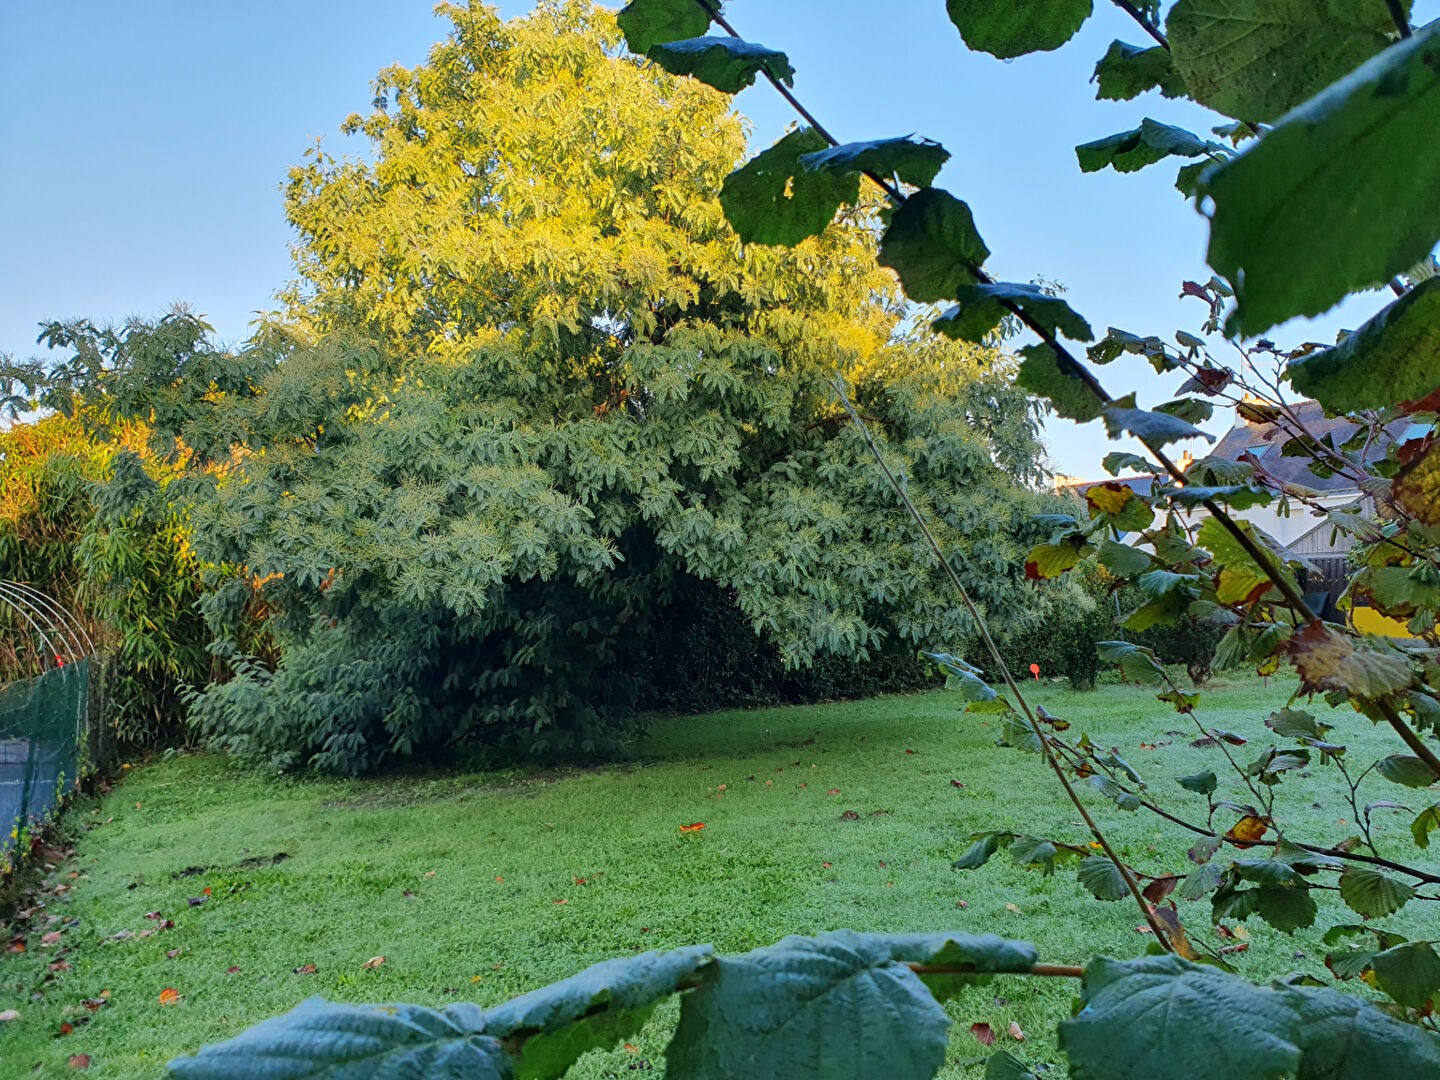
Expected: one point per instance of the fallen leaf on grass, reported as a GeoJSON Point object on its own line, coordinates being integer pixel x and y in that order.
{"type": "Point", "coordinates": [560, 901]}
{"type": "Point", "coordinates": [60, 965]}
{"type": "Point", "coordinates": [962, 904]}
{"type": "Point", "coordinates": [17, 945]}
{"type": "Point", "coordinates": [956, 784]}
{"type": "Point", "coordinates": [170, 954]}
{"type": "Point", "coordinates": [1227, 949]}
{"type": "Point", "coordinates": [910, 752]}
{"type": "Point", "coordinates": [983, 1034]}
{"type": "Point", "coordinates": [8, 1015]}
{"type": "Point", "coordinates": [849, 815]}
{"type": "Point", "coordinates": [429, 873]}
{"type": "Point", "coordinates": [1016, 1032]}
{"type": "Point", "coordinates": [79, 1061]}
{"type": "Point", "coordinates": [826, 865]}
{"type": "Point", "coordinates": [66, 1028]}
{"type": "Point", "coordinates": [52, 938]}
{"type": "Point", "coordinates": [373, 963]}
{"type": "Point", "coordinates": [833, 791]}
{"type": "Point", "coordinates": [233, 970]}
{"type": "Point", "coordinates": [306, 969]}
{"type": "Point", "coordinates": [1012, 909]}
{"type": "Point", "coordinates": [169, 996]}
{"type": "Point", "coordinates": [693, 827]}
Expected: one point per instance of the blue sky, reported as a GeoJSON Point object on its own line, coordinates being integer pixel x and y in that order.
{"type": "Point", "coordinates": [144, 144]}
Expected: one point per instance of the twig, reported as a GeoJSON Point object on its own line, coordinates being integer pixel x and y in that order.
{"type": "Point", "coordinates": [994, 651]}
{"type": "Point", "coordinates": [1397, 13]}
{"type": "Point", "coordinates": [1145, 24]}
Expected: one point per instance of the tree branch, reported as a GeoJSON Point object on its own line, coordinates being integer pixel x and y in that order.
{"type": "Point", "coordinates": [1145, 24]}
{"type": "Point", "coordinates": [1397, 13]}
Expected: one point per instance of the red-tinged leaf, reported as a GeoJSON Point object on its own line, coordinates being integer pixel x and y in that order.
{"type": "Point", "coordinates": [1016, 1032]}
{"type": "Point", "coordinates": [169, 996]}
{"type": "Point", "coordinates": [1160, 888]}
{"type": "Point", "coordinates": [695, 826]}
{"type": "Point", "coordinates": [373, 963]}
{"type": "Point", "coordinates": [833, 791]}
{"type": "Point", "coordinates": [79, 1061]}
{"type": "Point", "coordinates": [910, 752]}
{"type": "Point", "coordinates": [206, 890]}
{"type": "Point", "coordinates": [154, 915]}
{"type": "Point", "coordinates": [66, 1028]}
{"type": "Point", "coordinates": [1225, 950]}
{"type": "Point", "coordinates": [956, 784]}
{"type": "Point", "coordinates": [983, 1034]}
{"type": "Point", "coordinates": [171, 954]}
{"type": "Point", "coordinates": [306, 969]}
{"type": "Point", "coordinates": [52, 938]}
{"type": "Point", "coordinates": [826, 865]}
{"type": "Point", "coordinates": [561, 901]}
{"type": "Point", "coordinates": [60, 965]}
{"type": "Point", "coordinates": [631, 1048]}
{"type": "Point", "coordinates": [233, 970]}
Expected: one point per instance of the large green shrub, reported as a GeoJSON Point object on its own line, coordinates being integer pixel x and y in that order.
{"type": "Point", "coordinates": [530, 378]}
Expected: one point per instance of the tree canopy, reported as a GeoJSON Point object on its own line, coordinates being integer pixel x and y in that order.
{"type": "Point", "coordinates": [529, 378]}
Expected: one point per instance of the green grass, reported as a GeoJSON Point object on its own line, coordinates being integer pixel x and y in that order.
{"type": "Point", "coordinates": [458, 880]}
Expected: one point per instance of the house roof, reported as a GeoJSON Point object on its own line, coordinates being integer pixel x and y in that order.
{"type": "Point", "coordinates": [1264, 441]}
{"type": "Point", "coordinates": [1141, 485]}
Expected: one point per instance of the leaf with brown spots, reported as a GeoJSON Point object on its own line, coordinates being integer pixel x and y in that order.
{"type": "Point", "coordinates": [79, 1061]}
{"type": "Point", "coordinates": [983, 1033]}
{"type": "Point", "coordinates": [1329, 659]}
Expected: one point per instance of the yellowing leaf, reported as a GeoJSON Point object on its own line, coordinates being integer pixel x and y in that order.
{"type": "Point", "coordinates": [1249, 829]}
{"type": "Point", "coordinates": [169, 996]}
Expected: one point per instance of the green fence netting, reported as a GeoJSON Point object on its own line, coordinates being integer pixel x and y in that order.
{"type": "Point", "coordinates": [42, 725]}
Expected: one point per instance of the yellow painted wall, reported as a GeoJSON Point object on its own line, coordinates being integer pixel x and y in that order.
{"type": "Point", "coordinates": [1369, 621]}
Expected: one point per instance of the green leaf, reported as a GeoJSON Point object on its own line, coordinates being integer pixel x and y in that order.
{"type": "Point", "coordinates": [1406, 770]}
{"type": "Point", "coordinates": [1203, 782]}
{"type": "Point", "coordinates": [1372, 894]}
{"type": "Point", "coordinates": [914, 161]}
{"type": "Point", "coordinates": [1343, 1037]}
{"type": "Point", "coordinates": [981, 308]}
{"type": "Point", "coordinates": [726, 63]}
{"type": "Point", "coordinates": [1188, 408]}
{"type": "Point", "coordinates": [931, 243]}
{"type": "Point", "coordinates": [1393, 357]}
{"type": "Point", "coordinates": [1117, 343]}
{"type": "Point", "coordinates": [773, 199]}
{"type": "Point", "coordinates": [978, 854]}
{"type": "Point", "coordinates": [1010, 30]}
{"type": "Point", "coordinates": [1127, 71]}
{"type": "Point", "coordinates": [1046, 561]}
{"type": "Point", "coordinates": [1409, 973]}
{"type": "Point", "coordinates": [595, 1008]}
{"type": "Point", "coordinates": [646, 23]}
{"type": "Point", "coordinates": [1257, 59]}
{"type": "Point", "coordinates": [1131, 151]}
{"type": "Point", "coordinates": [1239, 496]}
{"type": "Point", "coordinates": [1034, 851]}
{"type": "Point", "coordinates": [987, 953]}
{"type": "Point", "coordinates": [1102, 878]}
{"type": "Point", "coordinates": [1351, 146]}
{"type": "Point", "coordinates": [1201, 881]}
{"type": "Point", "coordinates": [1058, 379]}
{"type": "Point", "coordinates": [1005, 1066]}
{"type": "Point", "coordinates": [1286, 908]}
{"type": "Point", "coordinates": [322, 1039]}
{"type": "Point", "coordinates": [1296, 724]}
{"type": "Point", "coordinates": [1153, 428]}
{"type": "Point", "coordinates": [1424, 824]}
{"type": "Point", "coordinates": [1122, 560]}
{"type": "Point", "coordinates": [1140, 1019]}
{"type": "Point", "coordinates": [963, 676]}
{"type": "Point", "coordinates": [838, 1005]}
{"type": "Point", "coordinates": [1117, 460]}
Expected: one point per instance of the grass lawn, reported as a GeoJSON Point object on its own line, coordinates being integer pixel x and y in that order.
{"type": "Point", "coordinates": [479, 887]}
